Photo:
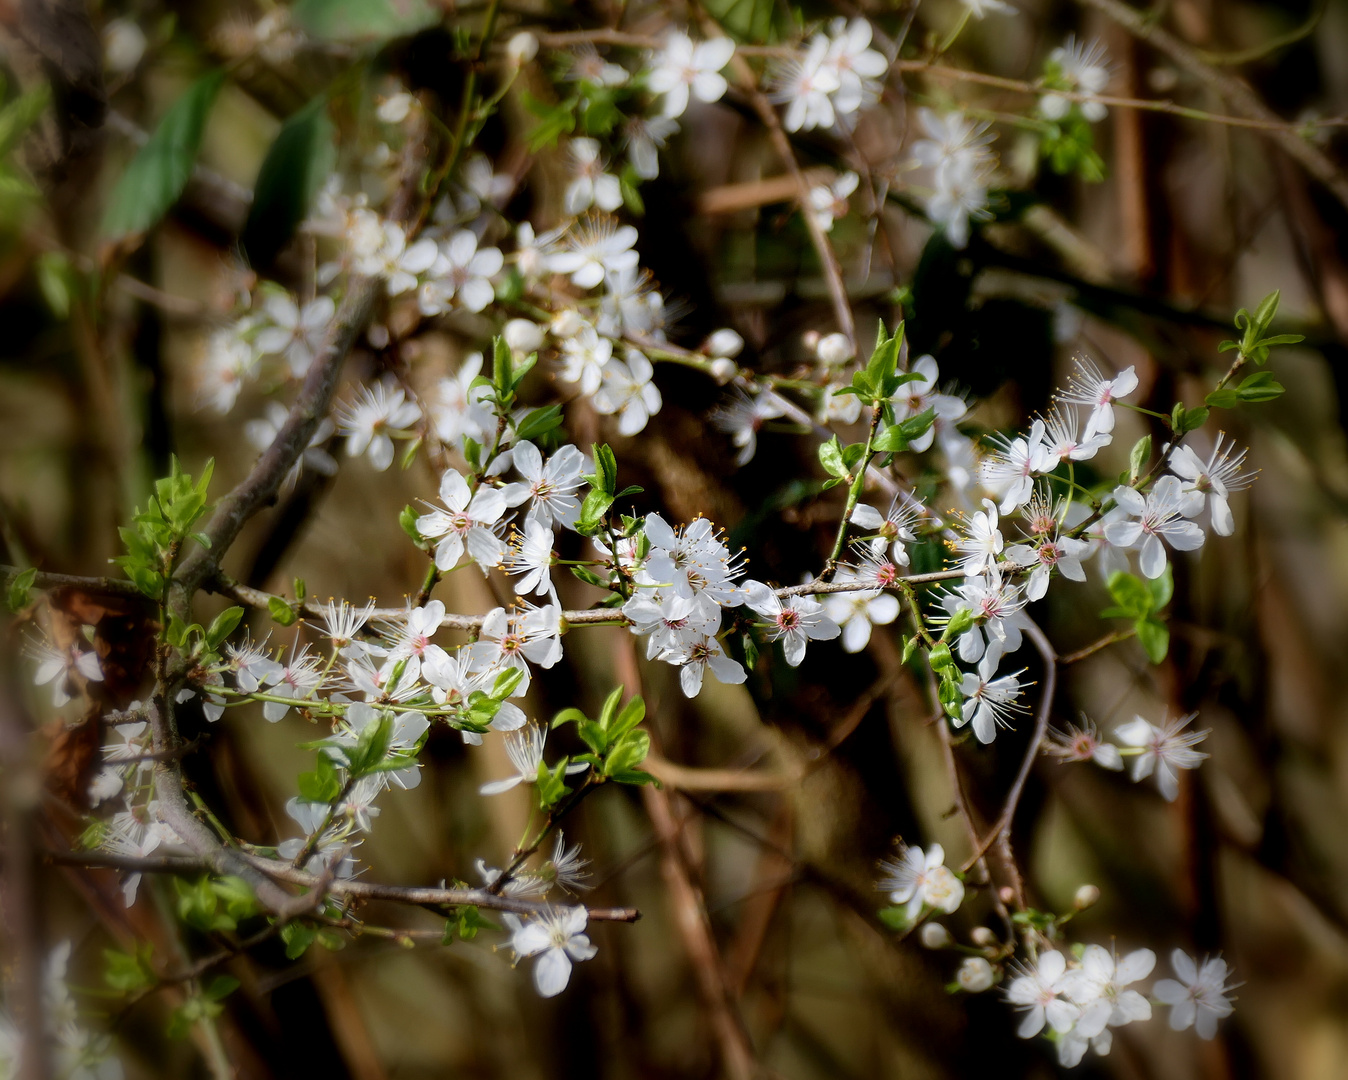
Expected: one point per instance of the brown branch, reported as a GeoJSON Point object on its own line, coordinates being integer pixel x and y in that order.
{"type": "Point", "coordinates": [1236, 92]}
{"type": "Point", "coordinates": [102, 585]}
{"type": "Point", "coordinates": [264, 481]}
{"type": "Point", "coordinates": [1001, 831]}
{"type": "Point", "coordinates": [833, 276]}
{"type": "Point", "coordinates": [323, 886]}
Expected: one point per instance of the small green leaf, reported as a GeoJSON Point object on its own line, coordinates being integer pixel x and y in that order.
{"type": "Point", "coordinates": [281, 611]}
{"type": "Point", "coordinates": [830, 456]}
{"type": "Point", "coordinates": [300, 159]}
{"type": "Point", "coordinates": [1154, 637]}
{"type": "Point", "coordinates": [1133, 597]}
{"type": "Point", "coordinates": [158, 173]}
{"type": "Point", "coordinates": [1225, 398]}
{"type": "Point", "coordinates": [1138, 458]}
{"type": "Point", "coordinates": [539, 422]}
{"type": "Point", "coordinates": [1261, 386]}
{"type": "Point", "coordinates": [323, 785]}
{"type": "Point", "coordinates": [19, 587]}
{"type": "Point", "coordinates": [222, 626]}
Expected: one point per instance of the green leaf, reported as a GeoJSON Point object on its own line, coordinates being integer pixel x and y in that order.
{"type": "Point", "coordinates": [1225, 398]}
{"type": "Point", "coordinates": [1133, 597]}
{"type": "Point", "coordinates": [221, 987]}
{"type": "Point", "coordinates": [551, 785]}
{"type": "Point", "coordinates": [1154, 637]}
{"type": "Point", "coordinates": [407, 520]}
{"type": "Point", "coordinates": [1138, 457]}
{"type": "Point", "coordinates": [160, 170]}
{"type": "Point", "coordinates": [18, 589]}
{"type": "Point", "coordinates": [362, 20]}
{"type": "Point", "coordinates": [1194, 419]}
{"type": "Point", "coordinates": [895, 918]}
{"type": "Point", "coordinates": [592, 512]}
{"type": "Point", "coordinates": [54, 278]}
{"type": "Point", "coordinates": [939, 657]}
{"type": "Point", "coordinates": [323, 785]}
{"type": "Point", "coordinates": [281, 611]}
{"type": "Point", "coordinates": [222, 626]}
{"type": "Point", "coordinates": [539, 422]}
{"type": "Point", "coordinates": [371, 746]}
{"type": "Point", "coordinates": [634, 776]}
{"type": "Point", "coordinates": [297, 939]}
{"type": "Point", "coordinates": [128, 972]}
{"type": "Point", "coordinates": [627, 753]}
{"type": "Point", "coordinates": [1261, 386]}
{"type": "Point", "coordinates": [502, 373]}
{"type": "Point", "coordinates": [20, 115]}
{"type": "Point", "coordinates": [605, 475]}
{"type": "Point", "coordinates": [1267, 309]}
{"type": "Point", "coordinates": [632, 714]}
{"type": "Point", "coordinates": [1161, 588]}
{"type": "Point", "coordinates": [830, 456]}
{"type": "Point", "coordinates": [300, 159]}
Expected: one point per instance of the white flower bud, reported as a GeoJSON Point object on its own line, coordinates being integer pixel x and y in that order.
{"type": "Point", "coordinates": [123, 46]}
{"type": "Point", "coordinates": [522, 48]}
{"type": "Point", "coordinates": [724, 342]}
{"type": "Point", "coordinates": [394, 109]}
{"type": "Point", "coordinates": [1087, 896]}
{"type": "Point", "coordinates": [723, 369]}
{"type": "Point", "coordinates": [975, 975]}
{"type": "Point", "coordinates": [834, 350]}
{"type": "Point", "coordinates": [983, 937]}
{"type": "Point", "coordinates": [523, 335]}
{"type": "Point", "coordinates": [377, 335]}
{"type": "Point", "coordinates": [567, 323]}
{"type": "Point", "coordinates": [810, 339]}
{"type": "Point", "coordinates": [934, 936]}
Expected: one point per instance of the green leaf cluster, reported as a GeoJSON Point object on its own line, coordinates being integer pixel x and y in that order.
{"type": "Point", "coordinates": [215, 904]}
{"type": "Point", "coordinates": [603, 491]}
{"type": "Point", "coordinates": [203, 1006]}
{"type": "Point", "coordinates": [129, 972]}
{"type": "Point", "coordinates": [1255, 340]}
{"type": "Point", "coordinates": [1141, 601]}
{"type": "Point", "coordinates": [158, 532]}
{"type": "Point", "coordinates": [1069, 147]}
{"type": "Point", "coordinates": [616, 746]}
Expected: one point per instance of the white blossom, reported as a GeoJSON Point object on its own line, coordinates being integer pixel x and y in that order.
{"type": "Point", "coordinates": [1215, 478]}
{"type": "Point", "coordinates": [991, 700]}
{"type": "Point", "coordinates": [1087, 386]}
{"type": "Point", "coordinates": [590, 185]}
{"type": "Point", "coordinates": [743, 416]}
{"type": "Point", "coordinates": [1159, 515]}
{"type": "Point", "coordinates": [1081, 68]}
{"type": "Point", "coordinates": [1163, 750]}
{"type": "Point", "coordinates": [595, 249]}
{"type": "Point", "coordinates": [627, 390]}
{"type": "Point", "coordinates": [856, 612]}
{"type": "Point", "coordinates": [804, 83]}
{"type": "Point", "coordinates": [467, 522]}
{"type": "Point", "coordinates": [1041, 992]}
{"type": "Point", "coordinates": [371, 421]}
{"type": "Point", "coordinates": [550, 489]}
{"type": "Point", "coordinates": [794, 621]}
{"type": "Point", "coordinates": [556, 937]}
{"type": "Point", "coordinates": [829, 201]}
{"type": "Point", "coordinates": [1198, 998]}
{"type": "Point", "coordinates": [922, 880]}
{"type": "Point", "coordinates": [682, 67]}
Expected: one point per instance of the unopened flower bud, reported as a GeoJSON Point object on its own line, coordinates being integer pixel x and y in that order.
{"type": "Point", "coordinates": [567, 323]}
{"type": "Point", "coordinates": [123, 45]}
{"type": "Point", "coordinates": [522, 48]}
{"type": "Point", "coordinates": [975, 975]}
{"type": "Point", "coordinates": [1087, 896]}
{"type": "Point", "coordinates": [1007, 894]}
{"type": "Point", "coordinates": [834, 350]}
{"type": "Point", "coordinates": [983, 937]}
{"type": "Point", "coordinates": [724, 342]}
{"type": "Point", "coordinates": [394, 109]}
{"type": "Point", "coordinates": [810, 339]}
{"type": "Point", "coordinates": [934, 936]}
{"type": "Point", "coordinates": [523, 335]}
{"type": "Point", "coordinates": [723, 370]}
{"type": "Point", "coordinates": [377, 335]}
